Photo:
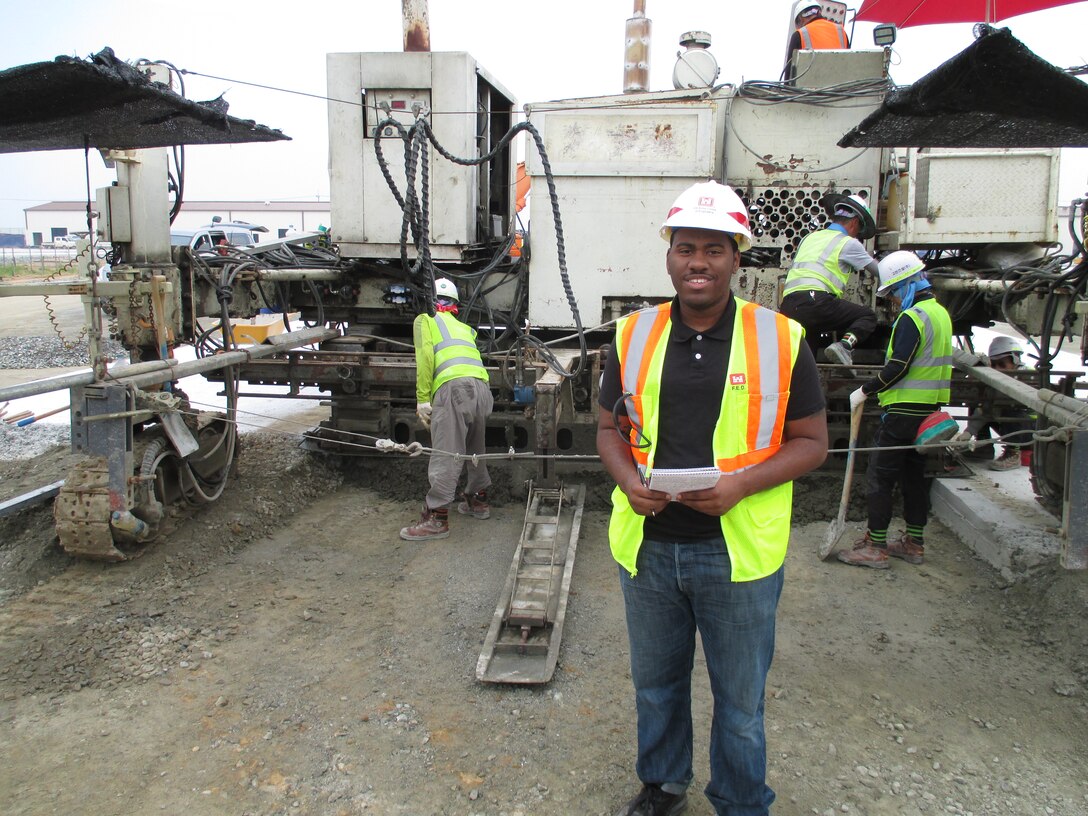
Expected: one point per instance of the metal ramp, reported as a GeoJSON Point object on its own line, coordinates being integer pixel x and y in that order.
{"type": "Point", "coordinates": [522, 645]}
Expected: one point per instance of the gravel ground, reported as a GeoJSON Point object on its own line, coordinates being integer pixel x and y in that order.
{"type": "Point", "coordinates": [50, 352]}
{"type": "Point", "coordinates": [283, 652]}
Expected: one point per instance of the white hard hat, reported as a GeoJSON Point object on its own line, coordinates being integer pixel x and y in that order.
{"type": "Point", "coordinates": [711, 206]}
{"type": "Point", "coordinates": [896, 268]}
{"type": "Point", "coordinates": [443, 287]}
{"type": "Point", "coordinates": [1002, 345]}
{"type": "Point", "coordinates": [852, 206]}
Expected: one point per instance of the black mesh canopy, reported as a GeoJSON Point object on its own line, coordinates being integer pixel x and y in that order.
{"type": "Point", "coordinates": [105, 103]}
{"type": "Point", "coordinates": [995, 93]}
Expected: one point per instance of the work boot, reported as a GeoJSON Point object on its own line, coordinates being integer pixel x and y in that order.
{"type": "Point", "coordinates": [652, 801]}
{"type": "Point", "coordinates": [475, 505]}
{"type": "Point", "coordinates": [431, 524]}
{"type": "Point", "coordinates": [839, 352]}
{"type": "Point", "coordinates": [865, 554]}
{"type": "Point", "coordinates": [907, 548]}
{"type": "Point", "coordinates": [1008, 460]}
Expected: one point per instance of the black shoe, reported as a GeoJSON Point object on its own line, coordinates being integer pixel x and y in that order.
{"type": "Point", "coordinates": [652, 801]}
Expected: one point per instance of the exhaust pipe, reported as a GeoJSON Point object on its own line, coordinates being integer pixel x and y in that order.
{"type": "Point", "coordinates": [636, 54]}
{"type": "Point", "coordinates": [417, 25]}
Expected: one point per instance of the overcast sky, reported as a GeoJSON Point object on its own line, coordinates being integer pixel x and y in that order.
{"type": "Point", "coordinates": [537, 50]}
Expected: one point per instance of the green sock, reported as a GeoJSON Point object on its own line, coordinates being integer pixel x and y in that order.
{"type": "Point", "coordinates": [879, 537]}
{"type": "Point", "coordinates": [915, 532]}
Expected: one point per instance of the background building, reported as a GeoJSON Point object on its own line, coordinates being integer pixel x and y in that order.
{"type": "Point", "coordinates": [55, 219]}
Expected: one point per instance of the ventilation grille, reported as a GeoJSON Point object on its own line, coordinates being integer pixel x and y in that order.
{"type": "Point", "coordinates": [782, 216]}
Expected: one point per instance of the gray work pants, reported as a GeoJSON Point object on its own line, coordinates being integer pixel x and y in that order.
{"type": "Point", "coordinates": [459, 412]}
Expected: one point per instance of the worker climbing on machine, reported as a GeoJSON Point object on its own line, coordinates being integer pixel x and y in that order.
{"type": "Point", "coordinates": [1004, 355]}
{"type": "Point", "coordinates": [821, 269]}
{"type": "Point", "coordinates": [712, 383]}
{"type": "Point", "coordinates": [453, 399]}
{"type": "Point", "coordinates": [813, 32]}
{"type": "Point", "coordinates": [914, 382]}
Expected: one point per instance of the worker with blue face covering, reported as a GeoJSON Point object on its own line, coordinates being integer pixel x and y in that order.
{"type": "Point", "coordinates": [913, 384]}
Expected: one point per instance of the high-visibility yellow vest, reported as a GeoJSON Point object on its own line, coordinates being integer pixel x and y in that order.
{"type": "Point", "coordinates": [928, 381]}
{"type": "Point", "coordinates": [823, 34]}
{"type": "Point", "coordinates": [455, 352]}
{"type": "Point", "coordinates": [748, 430]}
{"type": "Point", "coordinates": [816, 264]}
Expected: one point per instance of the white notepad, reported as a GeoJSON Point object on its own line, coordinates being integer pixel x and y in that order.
{"type": "Point", "coordinates": [680, 480]}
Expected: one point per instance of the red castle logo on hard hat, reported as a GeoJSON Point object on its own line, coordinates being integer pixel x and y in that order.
{"type": "Point", "coordinates": [706, 201]}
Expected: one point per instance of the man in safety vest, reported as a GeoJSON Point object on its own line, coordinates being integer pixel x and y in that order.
{"type": "Point", "coordinates": [1016, 422]}
{"type": "Point", "coordinates": [821, 269]}
{"type": "Point", "coordinates": [711, 382]}
{"type": "Point", "coordinates": [914, 383]}
{"type": "Point", "coordinates": [813, 32]}
{"type": "Point", "coordinates": [453, 400]}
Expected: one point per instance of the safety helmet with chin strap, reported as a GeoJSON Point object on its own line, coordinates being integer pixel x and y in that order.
{"type": "Point", "coordinates": [445, 288]}
{"type": "Point", "coordinates": [710, 206]}
{"type": "Point", "coordinates": [837, 205]}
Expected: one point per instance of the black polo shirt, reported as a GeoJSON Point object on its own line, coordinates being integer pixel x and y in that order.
{"type": "Point", "coordinates": [692, 386]}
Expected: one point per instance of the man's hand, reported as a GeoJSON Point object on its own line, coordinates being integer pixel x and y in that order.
{"type": "Point", "coordinates": [857, 397]}
{"type": "Point", "coordinates": [423, 411]}
{"type": "Point", "coordinates": [644, 501]}
{"type": "Point", "coordinates": [717, 500]}
{"type": "Point", "coordinates": [963, 438]}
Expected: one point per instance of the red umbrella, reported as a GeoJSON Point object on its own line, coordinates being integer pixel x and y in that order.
{"type": "Point", "coordinates": [906, 13]}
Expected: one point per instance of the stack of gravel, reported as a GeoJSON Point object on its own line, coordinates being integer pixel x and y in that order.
{"type": "Point", "coordinates": [41, 353]}
{"type": "Point", "coordinates": [50, 352]}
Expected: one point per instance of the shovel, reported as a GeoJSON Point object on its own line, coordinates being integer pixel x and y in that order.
{"type": "Point", "coordinates": [837, 527]}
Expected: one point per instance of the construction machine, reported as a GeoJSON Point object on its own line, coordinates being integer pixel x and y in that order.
{"type": "Point", "coordinates": [423, 162]}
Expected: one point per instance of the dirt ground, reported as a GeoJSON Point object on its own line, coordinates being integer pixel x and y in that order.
{"type": "Point", "coordinates": [283, 652]}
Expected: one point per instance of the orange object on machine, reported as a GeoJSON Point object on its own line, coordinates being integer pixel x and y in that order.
{"type": "Point", "coordinates": [521, 188]}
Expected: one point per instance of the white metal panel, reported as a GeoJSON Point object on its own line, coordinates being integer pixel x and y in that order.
{"type": "Point", "coordinates": [623, 142]}
{"type": "Point", "coordinates": [454, 194]}
{"type": "Point", "coordinates": [613, 248]}
{"type": "Point", "coordinates": [958, 196]}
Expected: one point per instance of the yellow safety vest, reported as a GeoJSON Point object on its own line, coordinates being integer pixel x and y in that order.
{"type": "Point", "coordinates": [748, 430]}
{"type": "Point", "coordinates": [928, 381]}
{"type": "Point", "coordinates": [455, 352]}
{"type": "Point", "coordinates": [816, 265]}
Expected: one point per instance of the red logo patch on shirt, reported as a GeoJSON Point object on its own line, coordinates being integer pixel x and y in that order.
{"type": "Point", "coordinates": [737, 379]}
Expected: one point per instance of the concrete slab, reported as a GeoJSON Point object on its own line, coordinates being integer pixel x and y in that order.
{"type": "Point", "coordinates": [996, 514]}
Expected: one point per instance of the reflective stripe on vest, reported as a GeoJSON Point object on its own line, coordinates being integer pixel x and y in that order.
{"type": "Point", "coordinates": [816, 265]}
{"type": "Point", "coordinates": [928, 380]}
{"type": "Point", "coordinates": [455, 352]}
{"type": "Point", "coordinates": [749, 429]}
{"type": "Point", "coordinates": [823, 34]}
{"type": "Point", "coordinates": [635, 334]}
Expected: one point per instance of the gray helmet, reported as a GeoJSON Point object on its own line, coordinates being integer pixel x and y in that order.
{"type": "Point", "coordinates": [1002, 346]}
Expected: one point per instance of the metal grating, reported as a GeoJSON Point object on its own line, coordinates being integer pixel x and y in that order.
{"type": "Point", "coordinates": [782, 216]}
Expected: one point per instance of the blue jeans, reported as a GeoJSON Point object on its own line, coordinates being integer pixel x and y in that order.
{"type": "Point", "coordinates": [681, 588]}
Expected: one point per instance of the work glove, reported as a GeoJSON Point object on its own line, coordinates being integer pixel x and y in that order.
{"type": "Point", "coordinates": [857, 397]}
{"type": "Point", "coordinates": [963, 437]}
{"type": "Point", "coordinates": [423, 411]}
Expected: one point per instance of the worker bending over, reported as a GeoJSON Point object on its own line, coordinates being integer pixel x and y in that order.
{"type": "Point", "coordinates": [1003, 355]}
{"type": "Point", "coordinates": [914, 383]}
{"type": "Point", "coordinates": [453, 400]}
{"type": "Point", "coordinates": [821, 269]}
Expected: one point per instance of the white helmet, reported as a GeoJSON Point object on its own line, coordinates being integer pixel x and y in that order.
{"type": "Point", "coordinates": [1001, 346]}
{"type": "Point", "coordinates": [445, 288]}
{"type": "Point", "coordinates": [712, 206]}
{"type": "Point", "coordinates": [896, 268]}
